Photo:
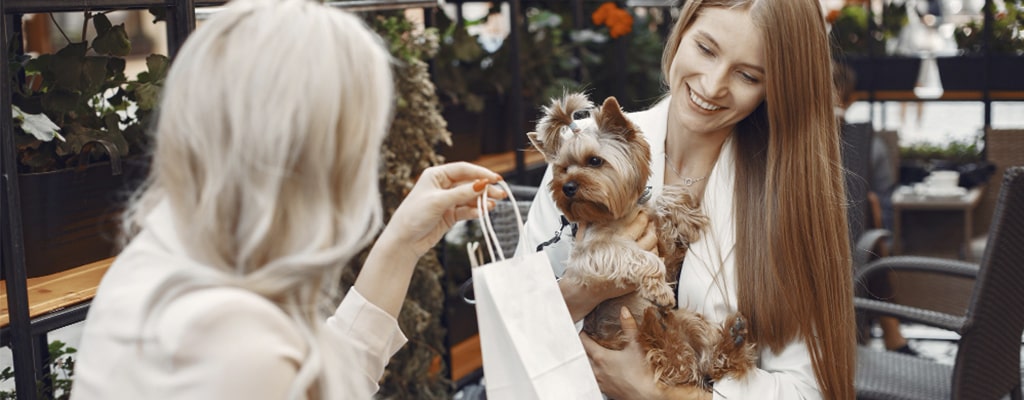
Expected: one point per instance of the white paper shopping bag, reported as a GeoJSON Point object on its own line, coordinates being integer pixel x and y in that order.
{"type": "Point", "coordinates": [530, 347]}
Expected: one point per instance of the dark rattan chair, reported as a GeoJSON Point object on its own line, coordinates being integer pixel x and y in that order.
{"type": "Point", "coordinates": [503, 217]}
{"type": "Point", "coordinates": [987, 362]}
{"type": "Point", "coordinates": [856, 149]}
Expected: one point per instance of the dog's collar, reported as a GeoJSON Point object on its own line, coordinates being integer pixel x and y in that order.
{"type": "Point", "coordinates": [645, 196]}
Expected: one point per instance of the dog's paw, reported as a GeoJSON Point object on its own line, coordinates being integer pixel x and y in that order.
{"type": "Point", "coordinates": [661, 295]}
{"type": "Point", "coordinates": [738, 330]}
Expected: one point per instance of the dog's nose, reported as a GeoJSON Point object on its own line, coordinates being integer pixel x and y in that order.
{"type": "Point", "coordinates": [569, 188]}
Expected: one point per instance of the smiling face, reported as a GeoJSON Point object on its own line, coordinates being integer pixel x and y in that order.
{"type": "Point", "coordinates": [717, 75]}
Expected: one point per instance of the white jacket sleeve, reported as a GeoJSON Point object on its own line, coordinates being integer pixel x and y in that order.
{"type": "Point", "coordinates": [787, 375]}
{"type": "Point", "coordinates": [371, 335]}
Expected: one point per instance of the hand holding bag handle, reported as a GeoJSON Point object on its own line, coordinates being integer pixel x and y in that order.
{"type": "Point", "coordinates": [529, 343]}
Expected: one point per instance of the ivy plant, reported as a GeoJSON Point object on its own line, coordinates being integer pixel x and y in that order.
{"type": "Point", "coordinates": [62, 368]}
{"type": "Point", "coordinates": [77, 106]}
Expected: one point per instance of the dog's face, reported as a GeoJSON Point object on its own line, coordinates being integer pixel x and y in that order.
{"type": "Point", "coordinates": [601, 169]}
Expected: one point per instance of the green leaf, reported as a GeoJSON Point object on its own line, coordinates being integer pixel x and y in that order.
{"type": "Point", "coordinates": [39, 64]}
{"type": "Point", "coordinates": [117, 99]}
{"type": "Point", "coordinates": [113, 42]}
{"type": "Point", "coordinates": [159, 13]}
{"type": "Point", "coordinates": [67, 65]}
{"type": "Point", "coordinates": [73, 50]}
{"type": "Point", "coordinates": [112, 122]}
{"type": "Point", "coordinates": [94, 75]}
{"type": "Point", "coordinates": [157, 66]}
{"type": "Point", "coordinates": [101, 23]}
{"type": "Point", "coordinates": [115, 70]}
{"type": "Point", "coordinates": [147, 95]}
{"type": "Point", "coordinates": [60, 101]}
{"type": "Point", "coordinates": [465, 46]}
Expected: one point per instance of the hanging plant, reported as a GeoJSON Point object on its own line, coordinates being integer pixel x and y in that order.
{"type": "Point", "coordinates": [64, 103]}
{"type": "Point", "coordinates": [409, 149]}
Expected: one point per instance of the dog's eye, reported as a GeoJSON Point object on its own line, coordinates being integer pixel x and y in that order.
{"type": "Point", "coordinates": [595, 161]}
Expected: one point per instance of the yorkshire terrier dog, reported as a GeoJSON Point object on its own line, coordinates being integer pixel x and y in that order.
{"type": "Point", "coordinates": [600, 178]}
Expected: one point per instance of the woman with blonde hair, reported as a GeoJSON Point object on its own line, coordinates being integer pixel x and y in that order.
{"type": "Point", "coordinates": [749, 128]}
{"type": "Point", "coordinates": [263, 186]}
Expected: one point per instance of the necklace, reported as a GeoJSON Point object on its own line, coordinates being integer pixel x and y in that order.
{"type": "Point", "coordinates": [687, 181]}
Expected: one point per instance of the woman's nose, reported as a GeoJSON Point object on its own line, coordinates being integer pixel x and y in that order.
{"type": "Point", "coordinates": [717, 83]}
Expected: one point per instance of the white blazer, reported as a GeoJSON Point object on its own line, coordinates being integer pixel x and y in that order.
{"type": "Point", "coordinates": [708, 276]}
{"type": "Point", "coordinates": [210, 343]}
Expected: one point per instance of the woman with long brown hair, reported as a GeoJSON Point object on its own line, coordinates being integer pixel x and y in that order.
{"type": "Point", "coordinates": [749, 127]}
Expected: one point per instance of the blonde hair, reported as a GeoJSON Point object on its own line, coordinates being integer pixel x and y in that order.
{"type": "Point", "coordinates": [790, 197]}
{"type": "Point", "coordinates": [267, 149]}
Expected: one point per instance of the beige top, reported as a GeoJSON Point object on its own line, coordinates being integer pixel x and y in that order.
{"type": "Point", "coordinates": [211, 343]}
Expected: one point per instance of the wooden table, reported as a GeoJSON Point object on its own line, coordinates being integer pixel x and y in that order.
{"type": "Point", "coordinates": [903, 200]}
{"type": "Point", "coordinates": [55, 291]}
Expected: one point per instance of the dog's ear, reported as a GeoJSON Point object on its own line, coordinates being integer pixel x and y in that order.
{"type": "Point", "coordinates": [538, 144]}
{"type": "Point", "coordinates": [612, 119]}
{"type": "Point", "coordinates": [548, 137]}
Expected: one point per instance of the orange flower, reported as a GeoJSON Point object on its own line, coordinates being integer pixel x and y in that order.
{"type": "Point", "coordinates": [618, 21]}
{"type": "Point", "coordinates": [833, 15]}
{"type": "Point", "coordinates": [601, 14]}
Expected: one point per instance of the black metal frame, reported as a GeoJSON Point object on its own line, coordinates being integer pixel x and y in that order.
{"type": "Point", "coordinates": [25, 335]}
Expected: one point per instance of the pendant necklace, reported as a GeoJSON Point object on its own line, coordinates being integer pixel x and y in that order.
{"type": "Point", "coordinates": [687, 181]}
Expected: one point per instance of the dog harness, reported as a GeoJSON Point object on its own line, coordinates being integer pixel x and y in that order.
{"type": "Point", "coordinates": [575, 227]}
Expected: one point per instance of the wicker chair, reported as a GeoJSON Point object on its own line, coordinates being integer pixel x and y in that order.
{"type": "Point", "coordinates": [1004, 148]}
{"type": "Point", "coordinates": [987, 363]}
{"type": "Point", "coordinates": [856, 142]}
{"type": "Point", "coordinates": [856, 151]}
{"type": "Point", "coordinates": [503, 217]}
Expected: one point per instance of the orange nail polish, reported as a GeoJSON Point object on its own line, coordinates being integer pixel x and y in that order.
{"type": "Point", "coordinates": [479, 185]}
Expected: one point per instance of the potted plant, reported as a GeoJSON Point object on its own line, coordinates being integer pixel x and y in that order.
{"type": "Point", "coordinates": [865, 45]}
{"type": "Point", "coordinates": [1005, 48]}
{"type": "Point", "coordinates": [61, 371]}
{"type": "Point", "coordinates": [917, 160]}
{"type": "Point", "coordinates": [615, 53]}
{"type": "Point", "coordinates": [415, 131]}
{"type": "Point", "coordinates": [79, 129]}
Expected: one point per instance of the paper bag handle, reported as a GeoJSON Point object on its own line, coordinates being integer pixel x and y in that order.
{"type": "Point", "coordinates": [490, 237]}
{"type": "Point", "coordinates": [476, 257]}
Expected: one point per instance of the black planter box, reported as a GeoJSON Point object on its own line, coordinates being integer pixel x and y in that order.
{"type": "Point", "coordinates": [885, 73]}
{"type": "Point", "coordinates": [962, 73]}
{"type": "Point", "coordinates": [968, 73]}
{"type": "Point", "coordinates": [70, 217]}
{"type": "Point", "coordinates": [1007, 73]}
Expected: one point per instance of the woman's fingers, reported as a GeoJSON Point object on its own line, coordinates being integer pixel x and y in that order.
{"type": "Point", "coordinates": [649, 240]}
{"type": "Point", "coordinates": [448, 175]}
{"type": "Point", "coordinates": [629, 327]}
{"type": "Point", "coordinates": [642, 230]}
{"type": "Point", "coordinates": [636, 228]}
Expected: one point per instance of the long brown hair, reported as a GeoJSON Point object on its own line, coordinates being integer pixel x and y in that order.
{"type": "Point", "coordinates": [790, 198]}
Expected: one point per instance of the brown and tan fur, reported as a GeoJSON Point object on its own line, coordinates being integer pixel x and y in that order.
{"type": "Point", "coordinates": [600, 172]}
